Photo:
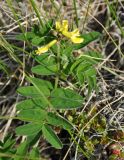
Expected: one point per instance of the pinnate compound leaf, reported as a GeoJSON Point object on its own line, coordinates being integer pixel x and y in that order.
{"type": "Point", "coordinates": [65, 99]}
{"type": "Point", "coordinates": [86, 59]}
{"type": "Point", "coordinates": [56, 120]}
{"type": "Point", "coordinates": [87, 73]}
{"type": "Point", "coordinates": [51, 137]}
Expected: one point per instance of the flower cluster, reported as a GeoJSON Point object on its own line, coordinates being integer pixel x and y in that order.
{"type": "Point", "coordinates": [74, 36]}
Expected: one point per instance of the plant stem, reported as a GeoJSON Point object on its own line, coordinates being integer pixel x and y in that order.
{"type": "Point", "coordinates": [58, 66]}
{"type": "Point", "coordinates": [75, 8]}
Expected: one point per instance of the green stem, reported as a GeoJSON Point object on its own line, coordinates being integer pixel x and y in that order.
{"type": "Point", "coordinates": [75, 8]}
{"type": "Point", "coordinates": [56, 81]}
{"type": "Point", "coordinates": [58, 66]}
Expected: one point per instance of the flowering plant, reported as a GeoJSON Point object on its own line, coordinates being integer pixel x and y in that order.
{"type": "Point", "coordinates": [59, 65]}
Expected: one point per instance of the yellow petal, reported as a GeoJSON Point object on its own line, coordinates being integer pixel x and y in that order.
{"type": "Point", "coordinates": [62, 27]}
{"type": "Point", "coordinates": [42, 50]}
{"type": "Point", "coordinates": [76, 39]}
{"type": "Point", "coordinates": [65, 25]}
{"type": "Point", "coordinates": [58, 25]}
{"type": "Point", "coordinates": [75, 32]}
{"type": "Point", "coordinates": [51, 43]}
{"type": "Point", "coordinates": [45, 48]}
{"type": "Point", "coordinates": [67, 34]}
{"type": "Point", "coordinates": [73, 36]}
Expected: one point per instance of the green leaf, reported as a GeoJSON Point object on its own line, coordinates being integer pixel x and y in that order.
{"type": "Point", "coordinates": [86, 72]}
{"type": "Point", "coordinates": [29, 129]}
{"type": "Point", "coordinates": [65, 99]}
{"type": "Point", "coordinates": [45, 70]}
{"type": "Point", "coordinates": [27, 36]}
{"type": "Point", "coordinates": [26, 104]}
{"type": "Point", "coordinates": [8, 143]}
{"type": "Point", "coordinates": [67, 49]}
{"type": "Point", "coordinates": [90, 72]}
{"type": "Point", "coordinates": [83, 67]}
{"type": "Point", "coordinates": [34, 154]}
{"type": "Point", "coordinates": [58, 121]}
{"type": "Point", "coordinates": [21, 151]}
{"type": "Point", "coordinates": [33, 115]}
{"type": "Point", "coordinates": [41, 102]}
{"type": "Point", "coordinates": [37, 40]}
{"type": "Point", "coordinates": [40, 89]}
{"type": "Point", "coordinates": [21, 37]}
{"type": "Point", "coordinates": [33, 139]}
{"type": "Point", "coordinates": [89, 37]}
{"type": "Point", "coordinates": [75, 64]}
{"type": "Point", "coordinates": [81, 78]}
{"type": "Point", "coordinates": [31, 104]}
{"type": "Point", "coordinates": [40, 82]}
{"type": "Point", "coordinates": [34, 92]}
{"type": "Point", "coordinates": [88, 58]}
{"type": "Point", "coordinates": [91, 83]}
{"type": "Point", "coordinates": [92, 57]}
{"type": "Point", "coordinates": [46, 59]}
{"type": "Point", "coordinates": [30, 35]}
{"type": "Point", "coordinates": [47, 65]}
{"type": "Point", "coordinates": [51, 137]}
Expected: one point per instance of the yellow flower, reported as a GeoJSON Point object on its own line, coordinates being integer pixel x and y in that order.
{"type": "Point", "coordinates": [74, 35]}
{"type": "Point", "coordinates": [62, 27]}
{"type": "Point", "coordinates": [45, 48]}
